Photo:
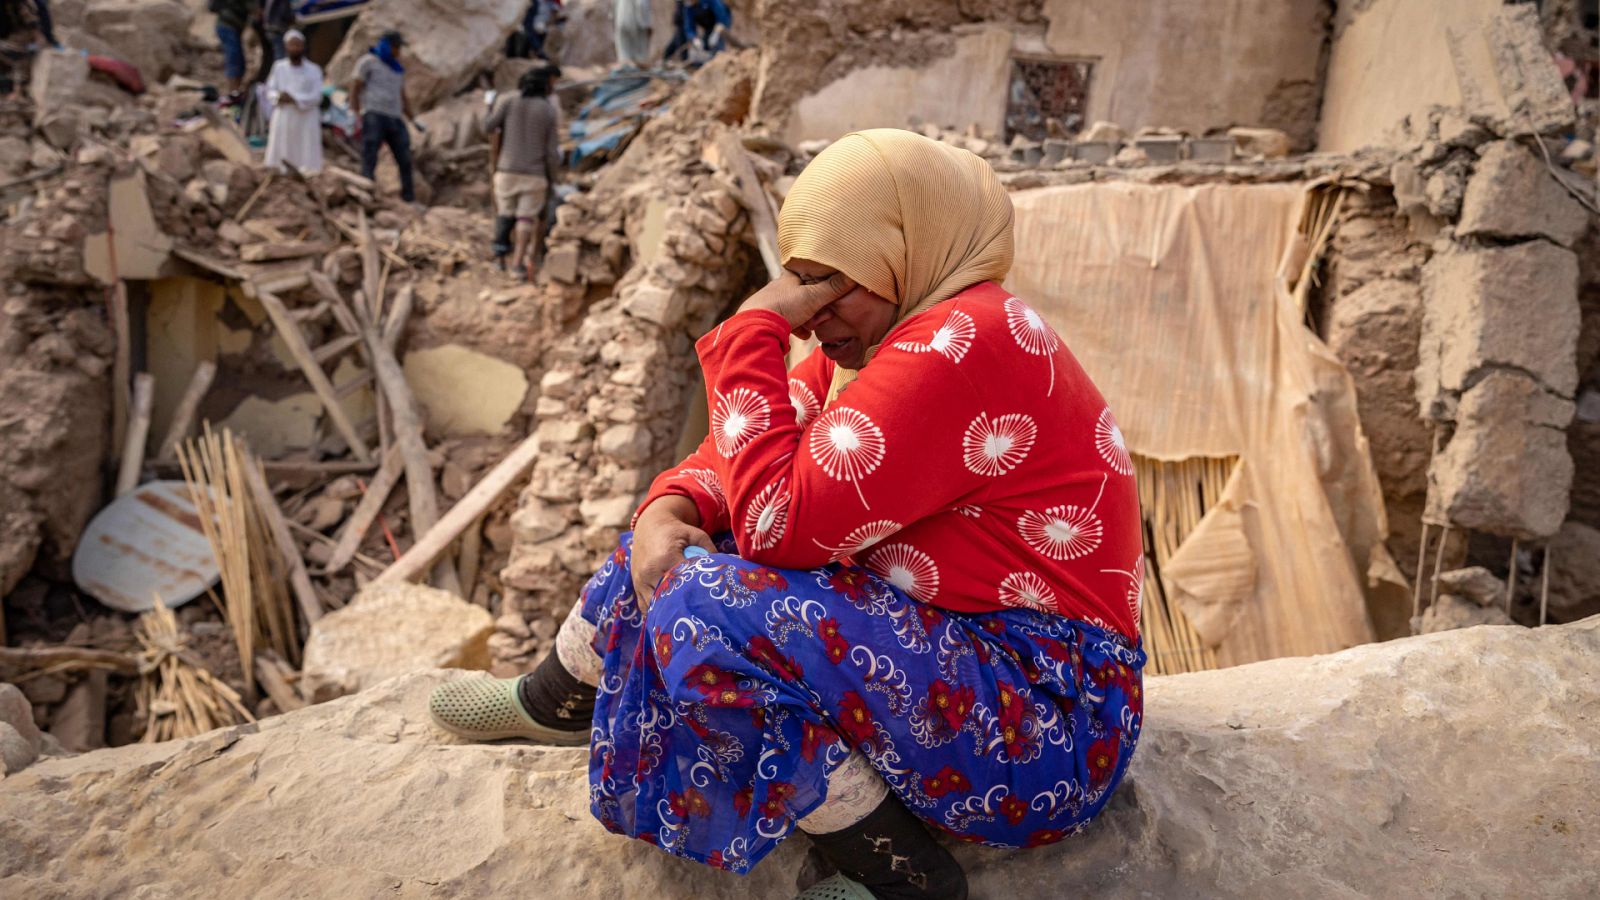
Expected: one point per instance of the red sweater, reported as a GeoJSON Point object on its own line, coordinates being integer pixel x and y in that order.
{"type": "Point", "coordinates": [972, 463]}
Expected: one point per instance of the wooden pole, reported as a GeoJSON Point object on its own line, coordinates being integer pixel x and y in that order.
{"type": "Point", "coordinates": [407, 427]}
{"type": "Point", "coordinates": [471, 555]}
{"type": "Point", "coordinates": [394, 325]}
{"type": "Point", "coordinates": [1544, 587]}
{"type": "Point", "coordinates": [478, 500]}
{"type": "Point", "coordinates": [188, 405]}
{"type": "Point", "coordinates": [296, 342]}
{"type": "Point", "coordinates": [299, 580]}
{"type": "Point", "coordinates": [144, 392]}
{"type": "Point", "coordinates": [1422, 562]}
{"type": "Point", "coordinates": [1511, 577]}
{"type": "Point", "coordinates": [366, 512]}
{"type": "Point", "coordinates": [736, 162]}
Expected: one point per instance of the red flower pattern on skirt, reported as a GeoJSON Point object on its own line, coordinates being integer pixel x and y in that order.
{"type": "Point", "coordinates": [733, 697]}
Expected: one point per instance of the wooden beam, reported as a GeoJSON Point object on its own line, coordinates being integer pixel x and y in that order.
{"type": "Point", "coordinates": [144, 393]}
{"type": "Point", "coordinates": [296, 342]}
{"type": "Point", "coordinates": [394, 325]}
{"type": "Point", "coordinates": [283, 284]}
{"type": "Point", "coordinates": [407, 424]}
{"type": "Point", "coordinates": [334, 347]}
{"type": "Point", "coordinates": [122, 362]}
{"type": "Point", "coordinates": [436, 540]}
{"type": "Point", "coordinates": [299, 579]}
{"type": "Point", "coordinates": [273, 675]}
{"type": "Point", "coordinates": [271, 252]}
{"type": "Point", "coordinates": [366, 511]}
{"type": "Point", "coordinates": [188, 406]}
{"type": "Point", "coordinates": [735, 160]}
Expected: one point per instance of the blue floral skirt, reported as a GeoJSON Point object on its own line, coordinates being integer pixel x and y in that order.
{"type": "Point", "coordinates": [722, 709]}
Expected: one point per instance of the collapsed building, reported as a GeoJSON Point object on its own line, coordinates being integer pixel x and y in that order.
{"type": "Point", "coordinates": [1371, 223]}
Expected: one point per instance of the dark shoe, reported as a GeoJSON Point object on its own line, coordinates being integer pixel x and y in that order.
{"type": "Point", "coordinates": [892, 854]}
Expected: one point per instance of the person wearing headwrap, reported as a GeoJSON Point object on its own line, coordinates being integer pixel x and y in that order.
{"type": "Point", "coordinates": [920, 608]}
{"type": "Point", "coordinates": [295, 86]}
{"type": "Point", "coordinates": [378, 98]}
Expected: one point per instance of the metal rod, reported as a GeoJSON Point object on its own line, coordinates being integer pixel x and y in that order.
{"type": "Point", "coordinates": [1511, 577]}
{"type": "Point", "coordinates": [1416, 577]}
{"type": "Point", "coordinates": [1544, 589]}
{"type": "Point", "coordinates": [1438, 561]}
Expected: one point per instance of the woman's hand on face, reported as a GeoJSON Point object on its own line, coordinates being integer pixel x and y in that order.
{"type": "Point", "coordinates": [659, 539]}
{"type": "Point", "coordinates": [798, 301]}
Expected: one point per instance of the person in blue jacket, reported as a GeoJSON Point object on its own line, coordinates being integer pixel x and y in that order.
{"type": "Point", "coordinates": [700, 30]}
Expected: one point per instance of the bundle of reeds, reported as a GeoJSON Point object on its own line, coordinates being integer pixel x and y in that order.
{"type": "Point", "coordinates": [1173, 496]}
{"type": "Point", "coordinates": [177, 696]}
{"type": "Point", "coordinates": [255, 600]}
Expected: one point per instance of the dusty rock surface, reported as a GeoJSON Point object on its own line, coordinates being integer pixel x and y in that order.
{"type": "Point", "coordinates": [391, 629]}
{"type": "Point", "coordinates": [1459, 764]}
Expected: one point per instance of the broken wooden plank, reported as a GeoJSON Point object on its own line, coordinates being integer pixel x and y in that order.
{"type": "Point", "coordinates": [349, 177]}
{"type": "Point", "coordinates": [310, 313]}
{"type": "Point", "coordinates": [122, 362]}
{"type": "Point", "coordinates": [735, 160]}
{"type": "Point", "coordinates": [436, 540]}
{"type": "Point", "coordinates": [333, 348]}
{"type": "Point", "coordinates": [407, 425]}
{"type": "Point", "coordinates": [17, 662]}
{"type": "Point", "coordinates": [296, 342]}
{"type": "Point", "coordinates": [366, 511]}
{"type": "Point", "coordinates": [188, 406]}
{"type": "Point", "coordinates": [395, 324]}
{"type": "Point", "coordinates": [214, 266]}
{"type": "Point", "coordinates": [255, 195]}
{"type": "Point", "coordinates": [144, 394]}
{"type": "Point", "coordinates": [361, 380]}
{"type": "Point", "coordinates": [283, 284]}
{"type": "Point", "coordinates": [268, 252]}
{"type": "Point", "coordinates": [273, 675]}
{"type": "Point", "coordinates": [299, 579]}
{"type": "Point", "coordinates": [471, 556]}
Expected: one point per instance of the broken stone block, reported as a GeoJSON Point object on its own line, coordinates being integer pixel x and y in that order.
{"type": "Point", "coordinates": [1503, 473]}
{"type": "Point", "coordinates": [143, 249]}
{"type": "Point", "coordinates": [1512, 194]}
{"type": "Point", "coordinates": [446, 47]}
{"type": "Point", "coordinates": [464, 391]}
{"type": "Point", "coordinates": [148, 33]}
{"type": "Point", "coordinates": [1574, 562]}
{"type": "Point", "coordinates": [656, 303]}
{"type": "Point", "coordinates": [628, 444]}
{"type": "Point", "coordinates": [610, 512]}
{"type": "Point", "coordinates": [1474, 583]}
{"type": "Point", "coordinates": [1514, 307]}
{"type": "Point", "coordinates": [57, 82]}
{"type": "Point", "coordinates": [1531, 95]}
{"type": "Point", "coordinates": [561, 263]}
{"type": "Point", "coordinates": [535, 520]}
{"type": "Point", "coordinates": [16, 713]}
{"type": "Point", "coordinates": [79, 722]}
{"type": "Point", "coordinates": [391, 629]}
{"type": "Point", "coordinates": [1456, 130]}
{"type": "Point", "coordinates": [1268, 143]}
{"type": "Point", "coordinates": [1452, 612]}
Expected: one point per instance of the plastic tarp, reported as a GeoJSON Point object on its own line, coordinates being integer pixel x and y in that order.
{"type": "Point", "coordinates": [1176, 301]}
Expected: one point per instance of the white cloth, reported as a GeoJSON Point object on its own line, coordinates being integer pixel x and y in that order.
{"type": "Point", "coordinates": [296, 133]}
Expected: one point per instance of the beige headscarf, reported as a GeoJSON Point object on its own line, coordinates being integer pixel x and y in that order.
{"type": "Point", "coordinates": [910, 219]}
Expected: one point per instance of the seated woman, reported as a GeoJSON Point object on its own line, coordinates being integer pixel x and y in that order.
{"type": "Point", "coordinates": [923, 608]}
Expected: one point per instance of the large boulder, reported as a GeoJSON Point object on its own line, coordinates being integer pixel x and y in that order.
{"type": "Point", "coordinates": [1461, 764]}
{"type": "Point", "coordinates": [151, 34]}
{"type": "Point", "coordinates": [446, 46]}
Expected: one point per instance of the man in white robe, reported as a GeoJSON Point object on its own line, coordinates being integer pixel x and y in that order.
{"type": "Point", "coordinates": [295, 87]}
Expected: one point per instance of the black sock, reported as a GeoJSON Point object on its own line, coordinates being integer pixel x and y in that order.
{"type": "Point", "coordinates": [892, 853]}
{"type": "Point", "coordinates": [555, 699]}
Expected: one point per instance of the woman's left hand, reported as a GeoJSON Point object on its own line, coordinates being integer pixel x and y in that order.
{"type": "Point", "coordinates": [798, 301]}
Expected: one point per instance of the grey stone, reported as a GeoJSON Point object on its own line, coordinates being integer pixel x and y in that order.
{"type": "Point", "coordinates": [16, 751]}
{"type": "Point", "coordinates": [1474, 583]}
{"type": "Point", "coordinates": [1380, 771]}
{"type": "Point", "coordinates": [656, 303]}
{"type": "Point", "coordinates": [609, 512]}
{"type": "Point", "coordinates": [16, 711]}
{"type": "Point", "coordinates": [1574, 572]}
{"type": "Point", "coordinates": [1510, 307]}
{"type": "Point", "coordinates": [1451, 612]}
{"type": "Point", "coordinates": [1500, 473]}
{"type": "Point", "coordinates": [1512, 194]}
{"type": "Point", "coordinates": [627, 444]}
{"type": "Point", "coordinates": [536, 520]}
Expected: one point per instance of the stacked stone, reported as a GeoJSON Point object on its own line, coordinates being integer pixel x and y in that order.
{"type": "Point", "coordinates": [1497, 369]}
{"type": "Point", "coordinates": [611, 400]}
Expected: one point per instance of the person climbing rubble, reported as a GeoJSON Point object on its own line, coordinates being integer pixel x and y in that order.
{"type": "Point", "coordinates": [525, 152]}
{"type": "Point", "coordinates": [277, 19]}
{"type": "Point", "coordinates": [295, 87]}
{"type": "Point", "coordinates": [700, 31]}
{"type": "Point", "coordinates": [921, 605]}
{"type": "Point", "coordinates": [233, 17]}
{"type": "Point", "coordinates": [378, 99]}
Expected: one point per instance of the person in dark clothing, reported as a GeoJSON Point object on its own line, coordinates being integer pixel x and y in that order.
{"type": "Point", "coordinates": [378, 98]}
{"type": "Point", "coordinates": [233, 17]}
{"type": "Point", "coordinates": [699, 30]}
{"type": "Point", "coordinates": [525, 150]}
{"type": "Point", "coordinates": [277, 17]}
